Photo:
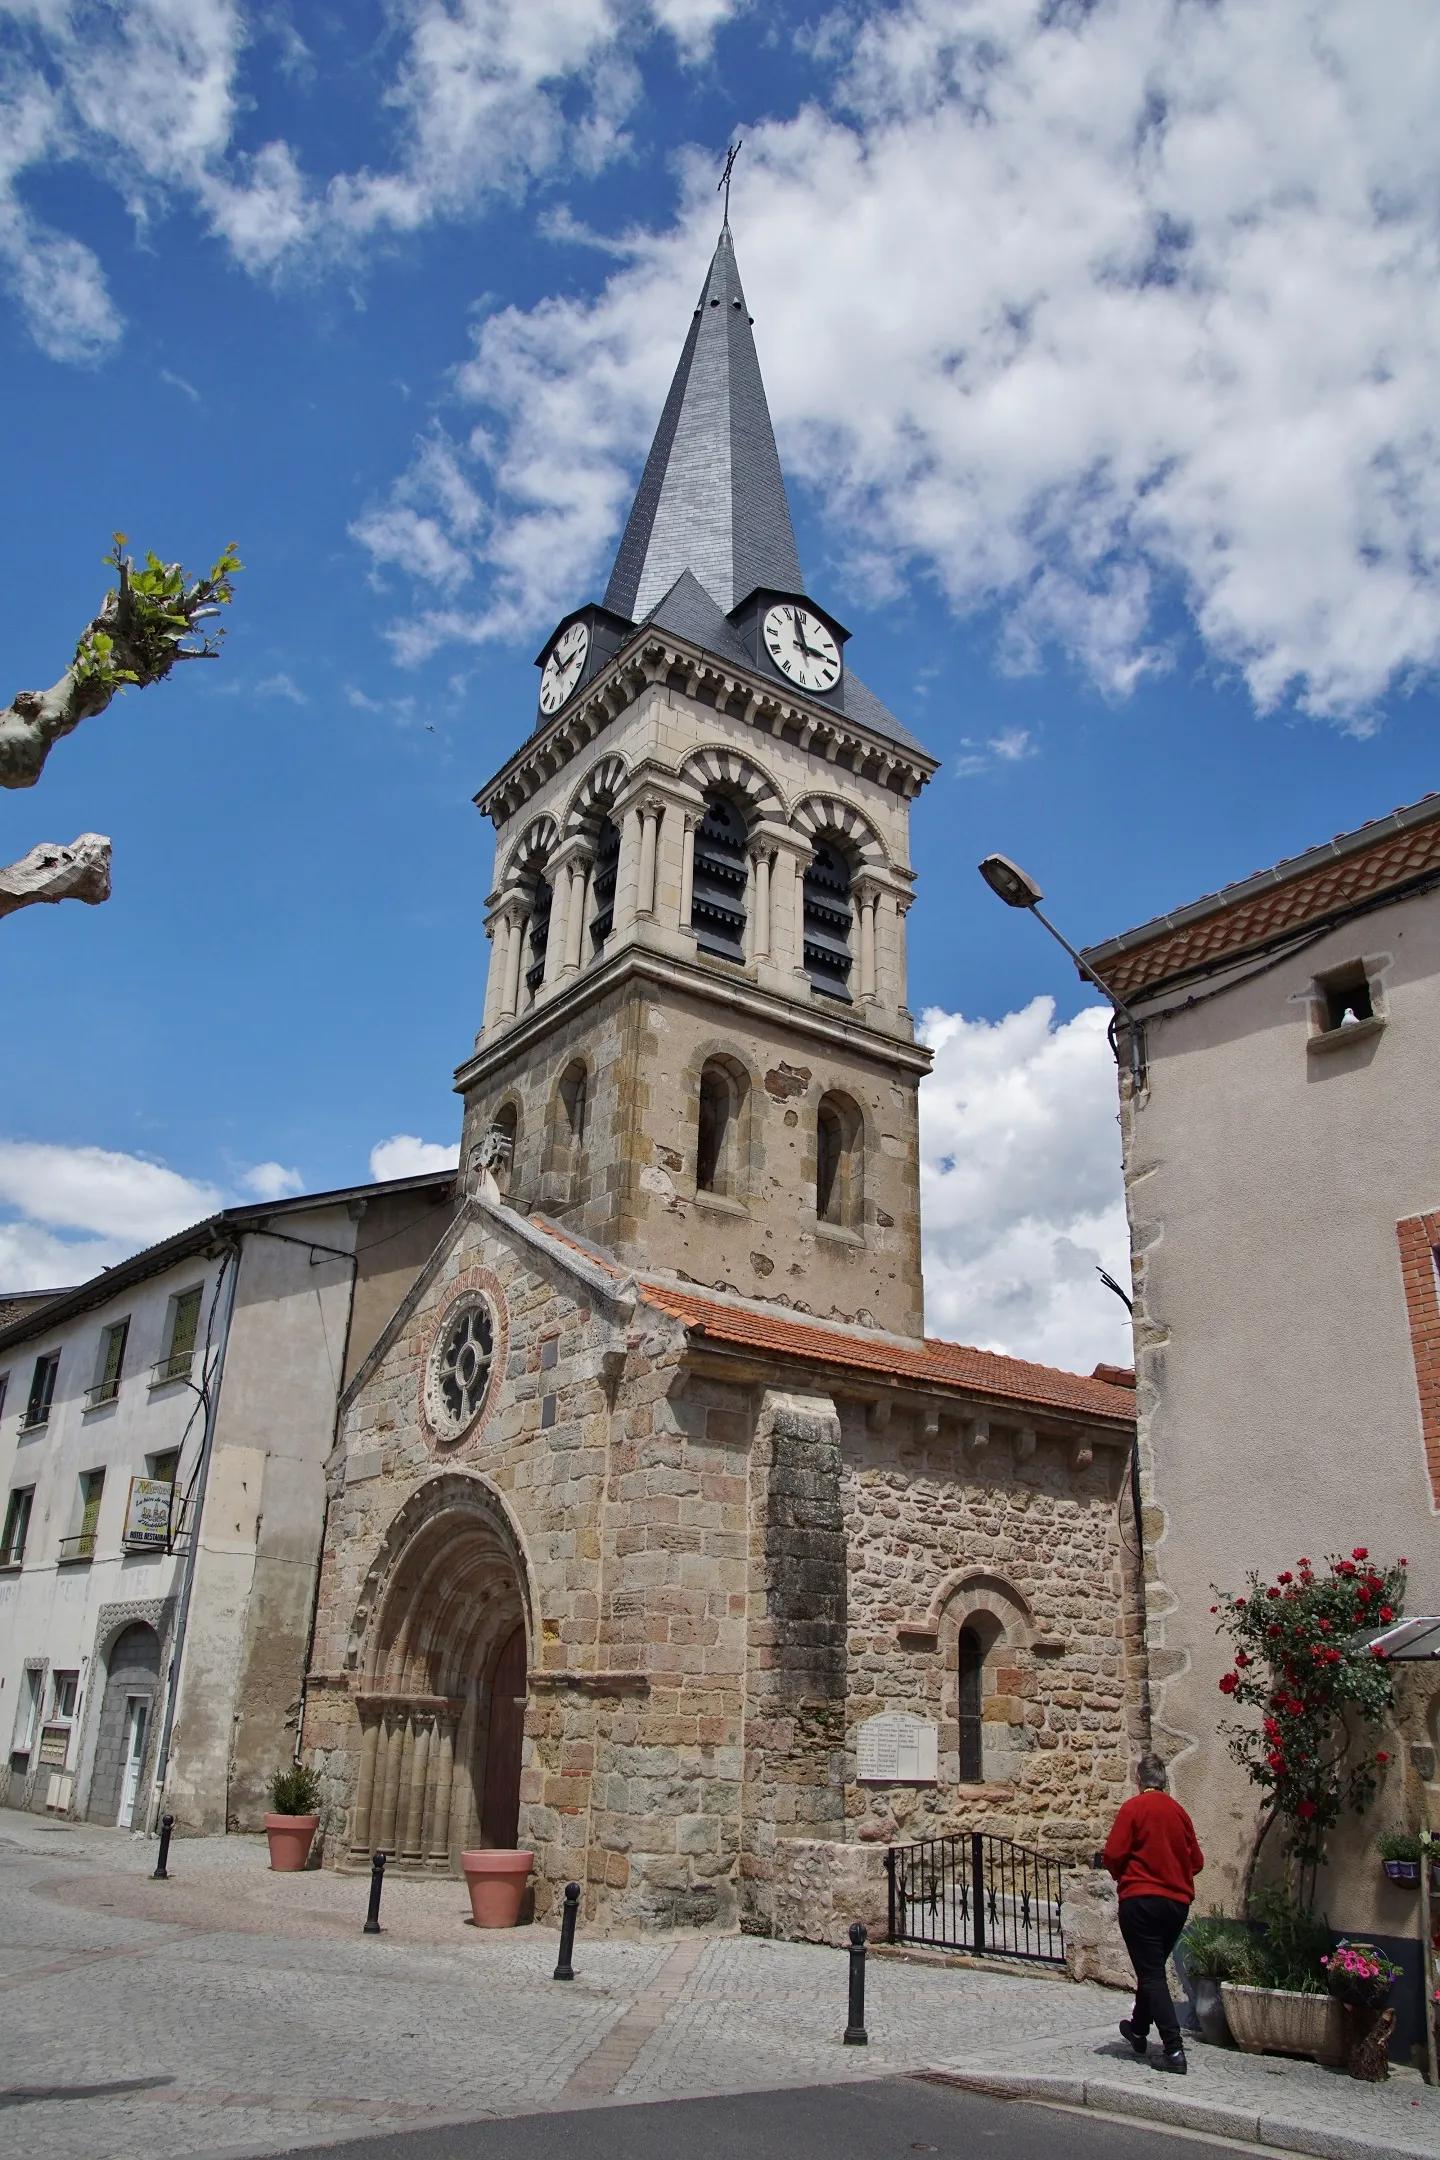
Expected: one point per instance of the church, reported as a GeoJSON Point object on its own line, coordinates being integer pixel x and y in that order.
{"type": "Point", "coordinates": [653, 1497]}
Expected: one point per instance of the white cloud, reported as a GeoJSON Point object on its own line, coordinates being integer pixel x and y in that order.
{"type": "Point", "coordinates": [1069, 309]}
{"type": "Point", "coordinates": [272, 1181]}
{"type": "Point", "coordinates": [484, 97]}
{"type": "Point", "coordinates": [403, 1155]}
{"type": "Point", "coordinates": [282, 686]}
{"type": "Point", "coordinates": [1010, 747]}
{"type": "Point", "coordinates": [1021, 1189]}
{"type": "Point", "coordinates": [93, 1189]}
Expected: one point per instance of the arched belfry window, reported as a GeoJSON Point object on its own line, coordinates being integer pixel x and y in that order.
{"type": "Point", "coordinates": [717, 910]}
{"type": "Point", "coordinates": [972, 1706]}
{"type": "Point", "coordinates": [607, 862]}
{"type": "Point", "coordinates": [539, 933]}
{"type": "Point", "coordinates": [717, 1138]}
{"type": "Point", "coordinates": [839, 1163]}
{"type": "Point", "coordinates": [828, 917]}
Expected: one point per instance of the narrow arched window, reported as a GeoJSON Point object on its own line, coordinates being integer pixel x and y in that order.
{"type": "Point", "coordinates": [507, 1124]}
{"type": "Point", "coordinates": [839, 1163]}
{"type": "Point", "coordinates": [716, 1116]}
{"type": "Point", "coordinates": [717, 904]}
{"type": "Point", "coordinates": [972, 1706]}
{"type": "Point", "coordinates": [539, 933]}
{"type": "Point", "coordinates": [602, 891]}
{"type": "Point", "coordinates": [573, 1089]}
{"type": "Point", "coordinates": [828, 919]}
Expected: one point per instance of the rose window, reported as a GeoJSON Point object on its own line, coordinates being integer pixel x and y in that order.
{"type": "Point", "coordinates": [460, 1368]}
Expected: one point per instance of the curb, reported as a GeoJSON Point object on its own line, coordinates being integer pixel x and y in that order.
{"type": "Point", "coordinates": [1166, 2109]}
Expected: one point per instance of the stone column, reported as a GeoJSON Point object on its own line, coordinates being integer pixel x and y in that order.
{"type": "Point", "coordinates": [495, 974]}
{"type": "Point", "coordinates": [559, 912]}
{"type": "Point", "coordinates": [365, 1789]}
{"type": "Point", "coordinates": [438, 1842]}
{"type": "Point", "coordinates": [394, 1726]}
{"type": "Point", "coordinates": [902, 909]}
{"type": "Point", "coordinates": [419, 1726]}
{"type": "Point", "coordinates": [627, 871]}
{"type": "Point", "coordinates": [867, 900]}
{"type": "Point", "coordinates": [517, 916]}
{"type": "Point", "coordinates": [650, 815]}
{"type": "Point", "coordinates": [577, 884]}
{"type": "Point", "coordinates": [760, 863]}
{"type": "Point", "coordinates": [787, 909]}
{"type": "Point", "coordinates": [687, 870]}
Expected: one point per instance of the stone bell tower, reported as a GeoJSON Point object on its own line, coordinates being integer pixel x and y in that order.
{"type": "Point", "coordinates": [696, 1052]}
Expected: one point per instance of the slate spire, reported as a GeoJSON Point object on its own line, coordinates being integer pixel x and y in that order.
{"type": "Point", "coordinates": [711, 499]}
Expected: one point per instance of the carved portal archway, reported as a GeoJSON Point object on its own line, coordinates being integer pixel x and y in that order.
{"type": "Point", "coordinates": [442, 1707]}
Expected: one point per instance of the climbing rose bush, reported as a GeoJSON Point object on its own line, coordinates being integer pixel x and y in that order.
{"type": "Point", "coordinates": [1318, 1689]}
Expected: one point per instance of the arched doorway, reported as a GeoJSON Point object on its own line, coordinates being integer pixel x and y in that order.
{"type": "Point", "coordinates": [132, 1682]}
{"type": "Point", "coordinates": [442, 1714]}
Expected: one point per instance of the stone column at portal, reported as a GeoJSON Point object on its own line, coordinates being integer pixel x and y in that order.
{"type": "Point", "coordinates": [394, 1744]}
{"type": "Point", "coordinates": [365, 1789]}
{"type": "Point", "coordinates": [413, 1849]}
{"type": "Point", "coordinates": [438, 1842]}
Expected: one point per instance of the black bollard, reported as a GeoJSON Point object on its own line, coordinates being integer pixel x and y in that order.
{"type": "Point", "coordinates": [162, 1871]}
{"type": "Point", "coordinates": [565, 1970]}
{"type": "Point", "coordinates": [377, 1884]}
{"type": "Point", "coordinates": [855, 2033]}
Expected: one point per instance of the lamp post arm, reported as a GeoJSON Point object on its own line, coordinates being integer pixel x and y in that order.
{"type": "Point", "coordinates": [1137, 1061]}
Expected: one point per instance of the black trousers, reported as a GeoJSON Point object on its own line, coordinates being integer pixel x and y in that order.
{"type": "Point", "coordinates": [1151, 1928]}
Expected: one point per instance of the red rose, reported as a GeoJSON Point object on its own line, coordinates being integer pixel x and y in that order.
{"type": "Point", "coordinates": [1332, 1657]}
{"type": "Point", "coordinates": [1274, 1628]}
{"type": "Point", "coordinates": [1361, 1552]}
{"type": "Point", "coordinates": [1377, 1650]}
{"type": "Point", "coordinates": [1325, 1627]}
{"type": "Point", "coordinates": [1345, 1567]}
{"type": "Point", "coordinates": [1229, 1682]}
{"type": "Point", "coordinates": [1403, 1562]}
{"type": "Point", "coordinates": [1386, 1613]}
{"type": "Point", "coordinates": [1285, 1577]}
{"type": "Point", "coordinates": [1306, 1808]}
{"type": "Point", "coordinates": [1239, 1604]}
{"type": "Point", "coordinates": [1242, 1657]}
{"type": "Point", "coordinates": [1382, 1757]}
{"type": "Point", "coordinates": [1276, 1761]}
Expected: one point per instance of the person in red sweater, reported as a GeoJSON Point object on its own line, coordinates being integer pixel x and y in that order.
{"type": "Point", "coordinates": [1154, 1856]}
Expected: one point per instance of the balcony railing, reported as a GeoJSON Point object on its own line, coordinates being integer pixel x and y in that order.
{"type": "Point", "coordinates": [103, 1391]}
{"type": "Point", "coordinates": [34, 1419]}
{"type": "Point", "coordinates": [175, 1367]}
{"type": "Point", "coordinates": [78, 1548]}
{"type": "Point", "coordinates": [12, 1555]}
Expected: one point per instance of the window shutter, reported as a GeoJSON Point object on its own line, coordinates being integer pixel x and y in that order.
{"type": "Point", "coordinates": [114, 1353]}
{"type": "Point", "coordinates": [185, 1323]}
{"type": "Point", "coordinates": [94, 1487]}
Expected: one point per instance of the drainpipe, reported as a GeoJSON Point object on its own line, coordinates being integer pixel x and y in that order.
{"type": "Point", "coordinates": [162, 1759]}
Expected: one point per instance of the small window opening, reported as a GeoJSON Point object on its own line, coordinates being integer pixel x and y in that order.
{"type": "Point", "coordinates": [717, 904]}
{"type": "Point", "coordinates": [184, 1326]}
{"type": "Point", "coordinates": [17, 1525]}
{"type": "Point", "coordinates": [1346, 998]}
{"type": "Point", "coordinates": [573, 1103]}
{"type": "Point", "coordinates": [539, 933]}
{"type": "Point", "coordinates": [42, 1392]}
{"type": "Point", "coordinates": [972, 1707]}
{"type": "Point", "coordinates": [109, 1364]}
{"type": "Point", "coordinates": [164, 1468]}
{"type": "Point", "coordinates": [839, 1180]}
{"type": "Point", "coordinates": [712, 1146]}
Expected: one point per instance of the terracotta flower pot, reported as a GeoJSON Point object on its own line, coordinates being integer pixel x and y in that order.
{"type": "Point", "coordinates": [291, 1837]}
{"type": "Point", "coordinates": [496, 1882]}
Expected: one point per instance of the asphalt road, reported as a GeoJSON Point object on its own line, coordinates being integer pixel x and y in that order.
{"type": "Point", "coordinates": [889, 2119]}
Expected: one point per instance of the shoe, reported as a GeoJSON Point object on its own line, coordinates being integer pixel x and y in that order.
{"type": "Point", "coordinates": [1138, 2041]}
{"type": "Point", "coordinates": [1174, 2062]}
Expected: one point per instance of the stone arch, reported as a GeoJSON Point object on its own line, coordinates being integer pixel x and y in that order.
{"type": "Point", "coordinates": [531, 852]}
{"type": "Point", "coordinates": [822, 816]}
{"type": "Point", "coordinates": [443, 1634]}
{"type": "Point", "coordinates": [985, 1627]}
{"type": "Point", "coordinates": [595, 797]}
{"type": "Point", "coordinates": [721, 771]}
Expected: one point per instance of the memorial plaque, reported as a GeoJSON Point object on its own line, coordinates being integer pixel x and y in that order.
{"type": "Point", "coordinates": [897, 1750]}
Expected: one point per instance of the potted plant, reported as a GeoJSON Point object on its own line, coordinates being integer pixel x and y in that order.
{"type": "Point", "coordinates": [496, 1880]}
{"type": "Point", "coordinates": [1214, 1949]}
{"type": "Point", "coordinates": [295, 1798]}
{"type": "Point", "coordinates": [1277, 2002]}
{"type": "Point", "coordinates": [1399, 1851]}
{"type": "Point", "coordinates": [1362, 1978]}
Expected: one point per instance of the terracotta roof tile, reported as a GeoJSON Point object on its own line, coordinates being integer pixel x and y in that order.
{"type": "Point", "coordinates": [946, 1364]}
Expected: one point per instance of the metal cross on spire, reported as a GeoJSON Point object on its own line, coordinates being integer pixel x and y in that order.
{"type": "Point", "coordinates": [730, 156]}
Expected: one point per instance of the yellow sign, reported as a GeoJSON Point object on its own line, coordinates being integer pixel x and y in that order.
{"type": "Point", "coordinates": [147, 1515]}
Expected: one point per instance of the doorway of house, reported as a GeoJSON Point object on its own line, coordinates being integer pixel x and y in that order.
{"type": "Point", "coordinates": [137, 1716]}
{"type": "Point", "coordinates": [500, 1809]}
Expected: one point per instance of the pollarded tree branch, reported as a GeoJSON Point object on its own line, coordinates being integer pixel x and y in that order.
{"type": "Point", "coordinates": [50, 872]}
{"type": "Point", "coordinates": [148, 622]}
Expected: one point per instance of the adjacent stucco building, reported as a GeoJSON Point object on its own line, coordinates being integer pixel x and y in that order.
{"type": "Point", "coordinates": [1284, 1194]}
{"type": "Point", "coordinates": [163, 1435]}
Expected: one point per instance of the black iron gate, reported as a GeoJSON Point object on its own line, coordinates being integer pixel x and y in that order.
{"type": "Point", "coordinates": [977, 1893]}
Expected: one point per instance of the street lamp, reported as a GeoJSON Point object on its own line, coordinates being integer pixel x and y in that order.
{"type": "Point", "coordinates": [1018, 890]}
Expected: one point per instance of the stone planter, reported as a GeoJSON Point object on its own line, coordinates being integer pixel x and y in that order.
{"type": "Point", "coordinates": [496, 1882]}
{"type": "Point", "coordinates": [1272, 2021]}
{"type": "Point", "coordinates": [290, 1838]}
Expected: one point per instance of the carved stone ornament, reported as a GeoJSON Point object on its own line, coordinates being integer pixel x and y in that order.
{"type": "Point", "coordinates": [457, 1374]}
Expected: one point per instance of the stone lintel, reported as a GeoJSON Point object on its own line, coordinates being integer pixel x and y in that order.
{"type": "Point", "coordinates": [589, 1683]}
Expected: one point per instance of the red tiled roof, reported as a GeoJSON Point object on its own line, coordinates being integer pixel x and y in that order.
{"type": "Point", "coordinates": [944, 1364]}
{"type": "Point", "coordinates": [1244, 918]}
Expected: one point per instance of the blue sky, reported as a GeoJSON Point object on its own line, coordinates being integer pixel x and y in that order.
{"type": "Point", "coordinates": [1101, 348]}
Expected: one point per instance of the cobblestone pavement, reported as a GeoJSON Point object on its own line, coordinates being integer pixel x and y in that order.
{"type": "Point", "coordinates": [235, 2011]}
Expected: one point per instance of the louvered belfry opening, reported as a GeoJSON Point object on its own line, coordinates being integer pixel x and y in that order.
{"type": "Point", "coordinates": [717, 913]}
{"type": "Point", "coordinates": [539, 934]}
{"type": "Point", "coordinates": [828, 916]}
{"type": "Point", "coordinates": [607, 862]}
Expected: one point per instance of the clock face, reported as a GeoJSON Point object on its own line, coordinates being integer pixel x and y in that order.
{"type": "Point", "coordinates": [801, 647]}
{"type": "Point", "coordinates": [563, 667]}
